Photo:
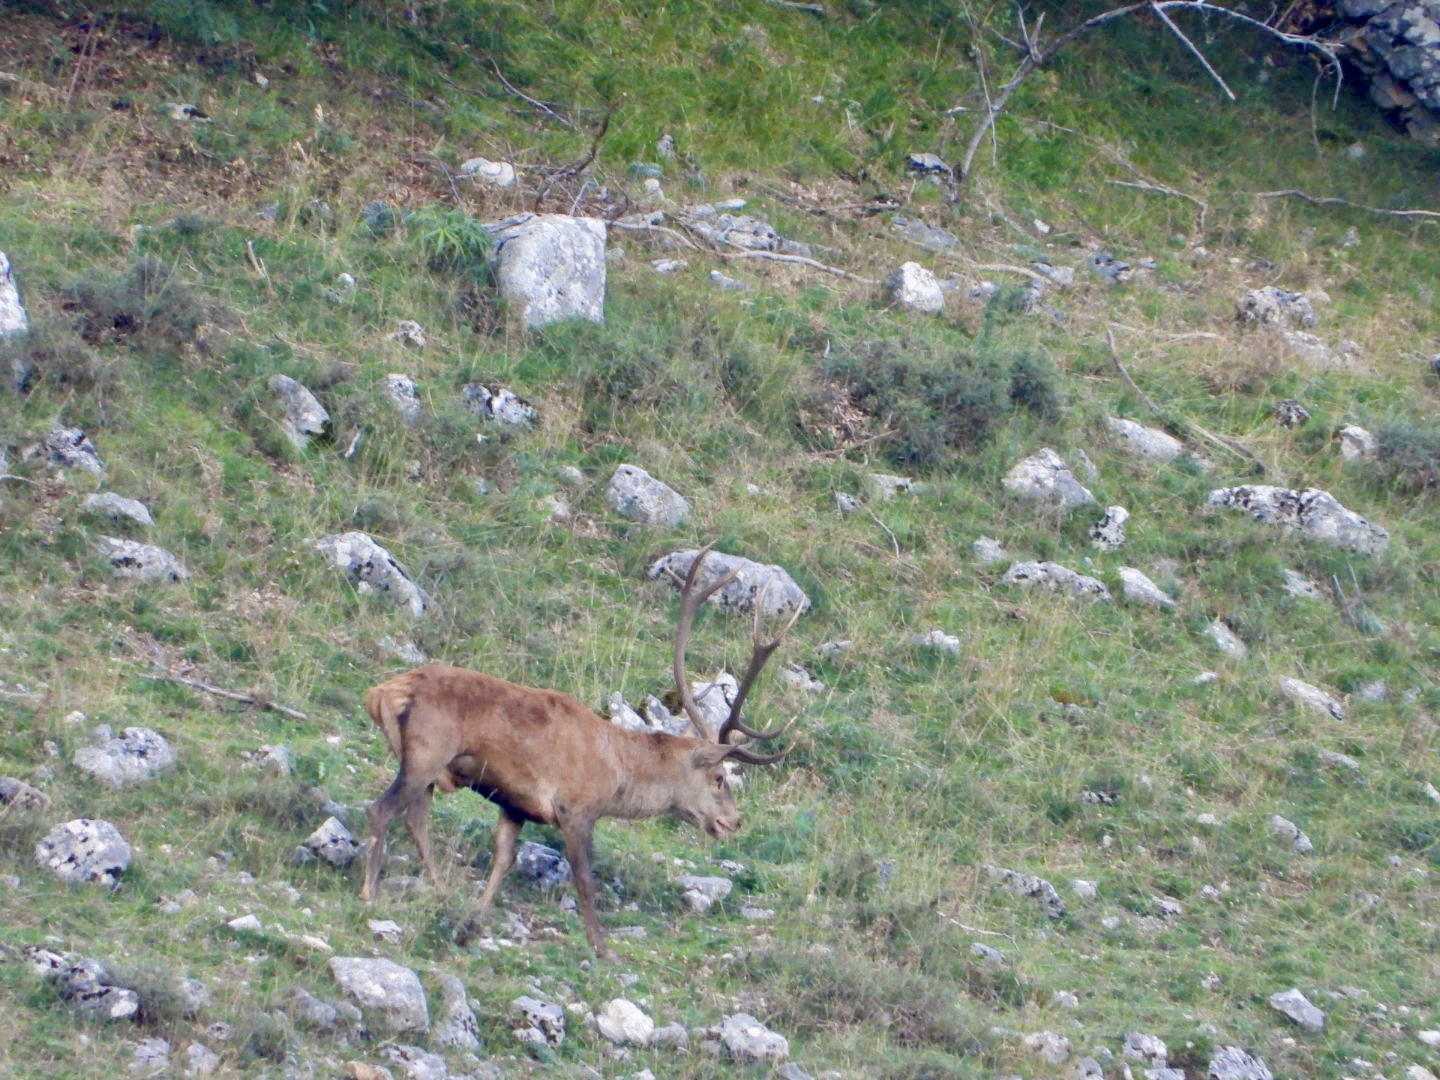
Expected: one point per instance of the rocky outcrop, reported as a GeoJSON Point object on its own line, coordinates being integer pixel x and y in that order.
{"type": "Point", "coordinates": [137, 756]}
{"type": "Point", "coordinates": [373, 569]}
{"type": "Point", "coordinates": [1396, 45]}
{"type": "Point", "coordinates": [1312, 511]}
{"type": "Point", "coordinates": [753, 581]}
{"type": "Point", "coordinates": [633, 493]}
{"type": "Point", "coordinates": [84, 850]}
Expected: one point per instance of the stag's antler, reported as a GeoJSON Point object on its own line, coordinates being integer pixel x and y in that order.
{"type": "Point", "coordinates": [690, 601]}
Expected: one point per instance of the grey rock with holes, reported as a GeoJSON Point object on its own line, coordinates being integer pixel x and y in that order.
{"type": "Point", "coordinates": [551, 267]}
{"type": "Point", "coordinates": [634, 494]}
{"type": "Point", "coordinates": [84, 850]}
{"type": "Point", "coordinates": [383, 989]}
{"type": "Point", "coordinates": [331, 843]}
{"type": "Point", "coordinates": [137, 756]}
{"type": "Point", "coordinates": [1313, 512]}
{"type": "Point", "coordinates": [305, 417]}
{"type": "Point", "coordinates": [499, 406]}
{"type": "Point", "coordinates": [1272, 306]}
{"type": "Point", "coordinates": [1290, 413]}
{"type": "Point", "coordinates": [542, 866]}
{"type": "Point", "coordinates": [1297, 1007]}
{"type": "Point", "coordinates": [1044, 477]}
{"type": "Point", "coordinates": [1109, 532]}
{"type": "Point", "coordinates": [86, 985]}
{"type": "Point", "coordinates": [703, 893]}
{"type": "Point", "coordinates": [14, 321]}
{"type": "Point", "coordinates": [545, 1019]}
{"type": "Point", "coordinates": [1137, 588]}
{"type": "Point", "coordinates": [70, 449]}
{"type": "Point", "coordinates": [117, 508]}
{"type": "Point", "coordinates": [915, 288]}
{"type": "Point", "coordinates": [746, 233]}
{"type": "Point", "coordinates": [1148, 1048]}
{"type": "Point", "coordinates": [780, 592]}
{"type": "Point", "coordinates": [746, 1040]}
{"type": "Point", "coordinates": [457, 1026]}
{"type": "Point", "coordinates": [19, 795]}
{"type": "Point", "coordinates": [1029, 887]}
{"type": "Point", "coordinates": [415, 1063]}
{"type": "Point", "coordinates": [402, 394]}
{"type": "Point", "coordinates": [1232, 1063]}
{"type": "Point", "coordinates": [1055, 578]}
{"type": "Point", "coordinates": [372, 569]}
{"type": "Point", "coordinates": [140, 562]}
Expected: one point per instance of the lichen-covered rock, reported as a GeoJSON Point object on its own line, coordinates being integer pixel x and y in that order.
{"type": "Point", "coordinates": [915, 288]}
{"type": "Point", "coordinates": [384, 988]}
{"type": "Point", "coordinates": [140, 562]}
{"type": "Point", "coordinates": [1045, 478]}
{"type": "Point", "coordinates": [1232, 1063]}
{"type": "Point", "coordinates": [373, 569]}
{"type": "Point", "coordinates": [1109, 532]}
{"type": "Point", "coordinates": [69, 448]}
{"type": "Point", "coordinates": [499, 406]}
{"type": "Point", "coordinates": [137, 756]}
{"type": "Point", "coordinates": [702, 893]}
{"type": "Point", "coordinates": [1313, 512]}
{"type": "Point", "coordinates": [551, 267]}
{"type": "Point", "coordinates": [1030, 887]}
{"type": "Point", "coordinates": [748, 1041]}
{"type": "Point", "coordinates": [542, 866]}
{"type": "Point", "coordinates": [20, 795]}
{"type": "Point", "coordinates": [545, 1019]}
{"type": "Point", "coordinates": [633, 493]}
{"type": "Point", "coordinates": [1056, 578]}
{"type": "Point", "coordinates": [331, 843]}
{"type": "Point", "coordinates": [457, 1026]}
{"type": "Point", "coordinates": [305, 417]}
{"type": "Point", "coordinates": [403, 395]}
{"type": "Point", "coordinates": [84, 850]}
{"type": "Point", "coordinates": [117, 508]}
{"type": "Point", "coordinates": [1271, 306]}
{"type": "Point", "coordinates": [781, 595]}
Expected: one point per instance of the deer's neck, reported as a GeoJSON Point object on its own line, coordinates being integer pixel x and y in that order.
{"type": "Point", "coordinates": [653, 767]}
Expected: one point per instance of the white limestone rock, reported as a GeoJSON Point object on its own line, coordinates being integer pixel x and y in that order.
{"type": "Point", "coordinates": [633, 493]}
{"type": "Point", "coordinates": [139, 755]}
{"type": "Point", "coordinates": [84, 850]}
{"type": "Point", "coordinates": [305, 417]}
{"type": "Point", "coordinates": [14, 321]}
{"type": "Point", "coordinates": [384, 989]}
{"type": "Point", "coordinates": [551, 267]}
{"type": "Point", "coordinates": [1045, 478]}
{"type": "Point", "coordinates": [1313, 512]}
{"type": "Point", "coordinates": [1055, 578]}
{"type": "Point", "coordinates": [496, 174]}
{"type": "Point", "coordinates": [1312, 697]}
{"type": "Point", "coordinates": [754, 582]}
{"type": "Point", "coordinates": [1297, 1007]}
{"type": "Point", "coordinates": [1357, 444]}
{"type": "Point", "coordinates": [140, 562]}
{"type": "Point", "coordinates": [624, 1023]}
{"type": "Point", "coordinates": [107, 504]}
{"type": "Point", "coordinates": [915, 288]}
{"type": "Point", "coordinates": [373, 569]}
{"type": "Point", "coordinates": [1137, 588]}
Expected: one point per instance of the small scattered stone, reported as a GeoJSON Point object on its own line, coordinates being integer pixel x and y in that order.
{"type": "Point", "coordinates": [141, 562]}
{"type": "Point", "coordinates": [623, 1023]}
{"type": "Point", "coordinates": [117, 508]}
{"type": "Point", "coordinates": [1137, 588]}
{"type": "Point", "coordinates": [885, 487]}
{"type": "Point", "coordinates": [988, 550]}
{"type": "Point", "coordinates": [747, 1041]}
{"type": "Point", "coordinates": [1030, 887]}
{"type": "Point", "coordinates": [1226, 640]}
{"type": "Point", "coordinates": [937, 640]}
{"type": "Point", "coordinates": [498, 174]}
{"type": "Point", "coordinates": [21, 796]}
{"type": "Point", "coordinates": [1357, 444]}
{"type": "Point", "coordinates": [1049, 1047]}
{"type": "Point", "coordinates": [84, 850]}
{"type": "Point", "coordinates": [1056, 578]}
{"type": "Point", "coordinates": [1288, 830]}
{"type": "Point", "coordinates": [384, 988]}
{"type": "Point", "coordinates": [1312, 697]}
{"type": "Point", "coordinates": [633, 493]}
{"type": "Point", "coordinates": [542, 866]}
{"type": "Point", "coordinates": [542, 1018]}
{"type": "Point", "coordinates": [702, 893]}
{"type": "Point", "coordinates": [1044, 477]}
{"type": "Point", "coordinates": [1109, 532]}
{"type": "Point", "coordinates": [332, 843]}
{"type": "Point", "coordinates": [1294, 1005]}
{"type": "Point", "coordinates": [1290, 413]}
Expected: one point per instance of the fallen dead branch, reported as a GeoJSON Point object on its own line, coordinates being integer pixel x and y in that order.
{"type": "Point", "coordinates": [230, 695]}
{"type": "Point", "coordinates": [1324, 200]}
{"type": "Point", "coordinates": [774, 256]}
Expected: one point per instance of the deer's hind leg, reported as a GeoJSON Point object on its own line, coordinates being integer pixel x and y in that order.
{"type": "Point", "coordinates": [400, 797]}
{"type": "Point", "coordinates": [507, 833]}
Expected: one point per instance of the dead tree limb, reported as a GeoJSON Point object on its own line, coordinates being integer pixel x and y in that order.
{"type": "Point", "coordinates": [230, 695]}
{"type": "Point", "coordinates": [1322, 200]}
{"type": "Point", "coordinates": [1036, 54]}
{"type": "Point", "coordinates": [584, 163]}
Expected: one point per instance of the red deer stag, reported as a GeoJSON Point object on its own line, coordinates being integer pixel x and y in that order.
{"type": "Point", "coordinates": [542, 756]}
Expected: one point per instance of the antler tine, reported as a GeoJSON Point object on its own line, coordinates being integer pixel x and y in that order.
{"type": "Point", "coordinates": [758, 658]}
{"type": "Point", "coordinates": [740, 753]}
{"type": "Point", "coordinates": [690, 601]}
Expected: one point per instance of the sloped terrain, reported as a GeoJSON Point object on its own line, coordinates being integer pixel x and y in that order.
{"type": "Point", "coordinates": [186, 189]}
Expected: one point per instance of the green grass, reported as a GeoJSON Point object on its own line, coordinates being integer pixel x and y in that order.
{"type": "Point", "coordinates": [154, 334]}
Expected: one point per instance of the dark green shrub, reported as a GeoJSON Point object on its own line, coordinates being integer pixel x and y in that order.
{"type": "Point", "coordinates": [1409, 455]}
{"type": "Point", "coordinates": [937, 399]}
{"type": "Point", "coordinates": [449, 239]}
{"type": "Point", "coordinates": [149, 304]}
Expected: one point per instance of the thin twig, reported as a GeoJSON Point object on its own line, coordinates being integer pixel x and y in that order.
{"type": "Point", "coordinates": [229, 694]}
{"type": "Point", "coordinates": [540, 105]}
{"type": "Point", "coordinates": [17, 479]}
{"type": "Point", "coordinates": [674, 234]}
{"type": "Point", "coordinates": [583, 164]}
{"type": "Point", "coordinates": [1170, 23]}
{"type": "Point", "coordinates": [1161, 189]}
{"type": "Point", "coordinates": [261, 273]}
{"type": "Point", "coordinates": [800, 260]}
{"type": "Point", "coordinates": [995, 268]}
{"type": "Point", "coordinates": [875, 518]}
{"type": "Point", "coordinates": [791, 5]}
{"type": "Point", "coordinates": [1324, 200]}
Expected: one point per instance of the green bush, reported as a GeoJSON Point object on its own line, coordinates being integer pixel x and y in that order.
{"type": "Point", "coordinates": [449, 239]}
{"type": "Point", "coordinates": [1409, 455]}
{"type": "Point", "coordinates": [149, 305]}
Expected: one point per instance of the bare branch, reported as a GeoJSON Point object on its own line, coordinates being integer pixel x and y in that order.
{"type": "Point", "coordinates": [1170, 23]}
{"type": "Point", "coordinates": [230, 695]}
{"type": "Point", "coordinates": [539, 106]}
{"type": "Point", "coordinates": [1321, 200]}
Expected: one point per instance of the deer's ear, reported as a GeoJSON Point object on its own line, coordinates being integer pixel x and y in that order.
{"type": "Point", "coordinates": [708, 755]}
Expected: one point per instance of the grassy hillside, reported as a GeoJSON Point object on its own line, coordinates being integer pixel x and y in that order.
{"type": "Point", "coordinates": [132, 233]}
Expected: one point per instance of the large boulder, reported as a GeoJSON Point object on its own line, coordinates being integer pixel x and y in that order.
{"type": "Point", "coordinates": [84, 850]}
{"type": "Point", "coordinates": [633, 493]}
{"type": "Point", "coordinates": [1396, 44]}
{"type": "Point", "coordinates": [551, 267]}
{"type": "Point", "coordinates": [1312, 511]}
{"type": "Point", "coordinates": [754, 580]}
{"type": "Point", "coordinates": [373, 569]}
